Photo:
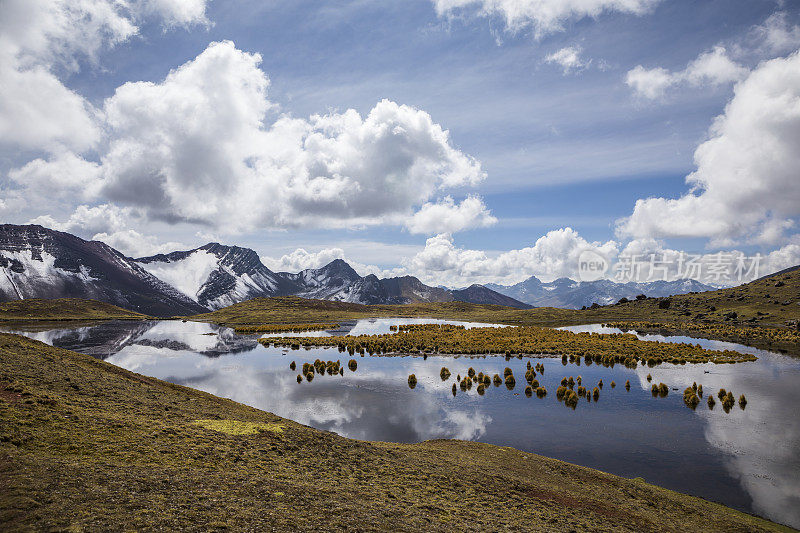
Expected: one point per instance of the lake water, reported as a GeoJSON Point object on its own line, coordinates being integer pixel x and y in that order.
{"type": "Point", "coordinates": [748, 459]}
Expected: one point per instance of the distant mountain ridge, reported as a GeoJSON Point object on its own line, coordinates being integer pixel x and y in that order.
{"type": "Point", "coordinates": [37, 262]}
{"type": "Point", "coordinates": [571, 294]}
{"type": "Point", "coordinates": [216, 276]}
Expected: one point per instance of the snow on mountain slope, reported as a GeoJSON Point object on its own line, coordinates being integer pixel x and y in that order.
{"type": "Point", "coordinates": [188, 274]}
{"type": "Point", "coordinates": [37, 262]}
{"type": "Point", "coordinates": [216, 275]}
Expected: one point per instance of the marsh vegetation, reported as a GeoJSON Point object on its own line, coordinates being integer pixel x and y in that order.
{"type": "Point", "coordinates": [605, 348]}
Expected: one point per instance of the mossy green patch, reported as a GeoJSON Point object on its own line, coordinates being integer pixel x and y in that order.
{"type": "Point", "coordinates": [238, 427]}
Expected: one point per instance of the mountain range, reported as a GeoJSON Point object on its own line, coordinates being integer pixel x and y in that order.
{"type": "Point", "coordinates": [569, 294]}
{"type": "Point", "coordinates": [37, 262]}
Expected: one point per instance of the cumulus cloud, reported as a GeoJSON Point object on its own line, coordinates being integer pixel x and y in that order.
{"type": "Point", "coordinates": [552, 256]}
{"type": "Point", "coordinates": [63, 175]}
{"type": "Point", "coordinates": [37, 112]}
{"type": "Point", "coordinates": [88, 220]}
{"type": "Point", "coordinates": [709, 68]}
{"type": "Point", "coordinates": [747, 184]}
{"type": "Point", "coordinates": [134, 244]}
{"type": "Point", "coordinates": [300, 259]}
{"type": "Point", "coordinates": [199, 147]}
{"type": "Point", "coordinates": [448, 217]}
{"type": "Point", "coordinates": [544, 16]}
{"type": "Point", "coordinates": [569, 59]}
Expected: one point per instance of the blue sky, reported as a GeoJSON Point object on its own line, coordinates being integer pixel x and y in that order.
{"type": "Point", "coordinates": [561, 146]}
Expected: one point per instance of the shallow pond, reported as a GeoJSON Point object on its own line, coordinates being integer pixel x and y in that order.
{"type": "Point", "coordinates": [748, 459]}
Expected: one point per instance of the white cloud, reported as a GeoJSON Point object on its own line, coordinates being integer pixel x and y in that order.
{"type": "Point", "coordinates": [134, 244]}
{"type": "Point", "coordinates": [545, 16]}
{"type": "Point", "coordinates": [37, 112]}
{"type": "Point", "coordinates": [198, 147]}
{"type": "Point", "coordinates": [709, 68]}
{"type": "Point", "coordinates": [776, 35]}
{"type": "Point", "coordinates": [553, 255]}
{"type": "Point", "coordinates": [88, 220]}
{"type": "Point", "coordinates": [569, 59]}
{"type": "Point", "coordinates": [448, 217]}
{"type": "Point", "coordinates": [747, 182]}
{"type": "Point", "coordinates": [300, 259]}
{"type": "Point", "coordinates": [176, 12]}
{"type": "Point", "coordinates": [63, 175]}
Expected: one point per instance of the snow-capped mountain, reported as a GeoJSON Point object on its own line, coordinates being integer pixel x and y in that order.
{"type": "Point", "coordinates": [37, 262]}
{"type": "Point", "coordinates": [567, 293]}
{"type": "Point", "coordinates": [216, 276]}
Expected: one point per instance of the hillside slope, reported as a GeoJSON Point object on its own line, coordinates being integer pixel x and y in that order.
{"type": "Point", "coordinates": [85, 445]}
{"type": "Point", "coordinates": [65, 309]}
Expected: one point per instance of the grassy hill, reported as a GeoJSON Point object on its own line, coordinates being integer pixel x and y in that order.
{"type": "Point", "coordinates": [87, 445]}
{"type": "Point", "coordinates": [64, 309]}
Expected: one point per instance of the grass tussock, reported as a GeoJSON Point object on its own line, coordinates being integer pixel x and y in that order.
{"type": "Point", "coordinates": [444, 373]}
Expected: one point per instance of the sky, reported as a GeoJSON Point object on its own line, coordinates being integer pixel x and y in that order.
{"type": "Point", "coordinates": [459, 141]}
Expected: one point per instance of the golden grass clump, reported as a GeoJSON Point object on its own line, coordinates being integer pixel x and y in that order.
{"type": "Point", "coordinates": [412, 381]}
{"type": "Point", "coordinates": [711, 401]}
{"type": "Point", "coordinates": [721, 394]}
{"type": "Point", "coordinates": [454, 389]}
{"type": "Point", "coordinates": [581, 391]}
{"type": "Point", "coordinates": [497, 380]}
{"type": "Point", "coordinates": [444, 373]}
{"type": "Point", "coordinates": [528, 391]}
{"type": "Point", "coordinates": [471, 372]}
{"type": "Point", "coordinates": [310, 377]}
{"type": "Point", "coordinates": [299, 378]}
{"type": "Point", "coordinates": [596, 393]}
{"type": "Point", "coordinates": [600, 384]}
{"type": "Point", "coordinates": [649, 378]}
{"type": "Point", "coordinates": [728, 402]}
{"type": "Point", "coordinates": [292, 366]}
{"type": "Point", "coordinates": [352, 364]}
{"type": "Point", "coordinates": [535, 383]}
{"type": "Point", "coordinates": [541, 392]}
{"type": "Point", "coordinates": [481, 389]}
{"type": "Point", "coordinates": [742, 402]}
{"type": "Point", "coordinates": [560, 392]}
{"type": "Point", "coordinates": [510, 381]}
{"type": "Point", "coordinates": [700, 390]}
{"type": "Point", "coordinates": [627, 384]}
{"type": "Point", "coordinates": [571, 399]}
{"type": "Point", "coordinates": [690, 397]}
{"type": "Point", "coordinates": [613, 384]}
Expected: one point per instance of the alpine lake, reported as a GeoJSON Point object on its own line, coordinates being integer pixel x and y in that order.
{"type": "Point", "coordinates": [748, 459]}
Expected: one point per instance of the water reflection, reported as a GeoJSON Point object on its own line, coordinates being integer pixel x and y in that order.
{"type": "Point", "coordinates": [747, 459]}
